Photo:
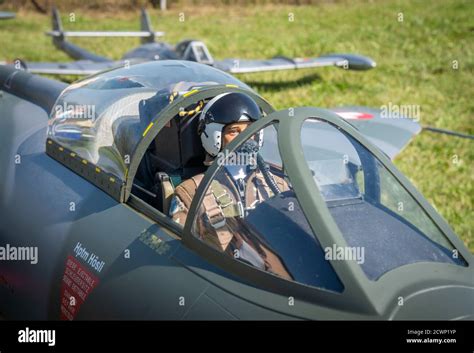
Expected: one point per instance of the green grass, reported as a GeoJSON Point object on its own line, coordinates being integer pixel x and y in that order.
{"type": "Point", "coordinates": [414, 67]}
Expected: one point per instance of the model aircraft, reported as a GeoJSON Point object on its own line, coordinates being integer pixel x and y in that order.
{"type": "Point", "coordinates": [193, 50]}
{"type": "Point", "coordinates": [89, 168]}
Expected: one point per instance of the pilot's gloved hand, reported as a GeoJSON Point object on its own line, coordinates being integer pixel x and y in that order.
{"type": "Point", "coordinates": [178, 211]}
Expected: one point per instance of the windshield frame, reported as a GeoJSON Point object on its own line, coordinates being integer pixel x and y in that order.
{"type": "Point", "coordinates": [324, 297]}
{"type": "Point", "coordinates": [364, 296]}
{"type": "Point", "coordinates": [354, 279]}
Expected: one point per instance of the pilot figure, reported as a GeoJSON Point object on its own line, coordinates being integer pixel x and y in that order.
{"type": "Point", "coordinates": [235, 190]}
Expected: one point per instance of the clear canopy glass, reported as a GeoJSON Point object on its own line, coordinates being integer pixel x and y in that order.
{"type": "Point", "coordinates": [102, 118]}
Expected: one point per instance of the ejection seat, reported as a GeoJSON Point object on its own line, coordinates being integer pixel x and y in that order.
{"type": "Point", "coordinates": [175, 155]}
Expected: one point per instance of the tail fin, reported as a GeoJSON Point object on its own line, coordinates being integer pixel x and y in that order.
{"type": "Point", "coordinates": [61, 43]}
{"type": "Point", "coordinates": [57, 25]}
{"type": "Point", "coordinates": [145, 26]}
{"type": "Point", "coordinates": [146, 34]}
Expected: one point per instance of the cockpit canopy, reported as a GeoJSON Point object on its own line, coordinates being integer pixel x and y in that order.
{"type": "Point", "coordinates": [103, 118]}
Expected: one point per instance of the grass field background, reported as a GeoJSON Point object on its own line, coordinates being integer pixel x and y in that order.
{"type": "Point", "coordinates": [414, 56]}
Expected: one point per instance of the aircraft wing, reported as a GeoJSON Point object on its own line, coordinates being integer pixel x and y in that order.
{"type": "Point", "coordinates": [81, 67]}
{"type": "Point", "coordinates": [391, 133]}
{"type": "Point", "coordinates": [346, 61]}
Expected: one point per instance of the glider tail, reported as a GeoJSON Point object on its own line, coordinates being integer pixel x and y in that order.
{"type": "Point", "coordinates": [74, 51]}
{"type": "Point", "coordinates": [146, 33]}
